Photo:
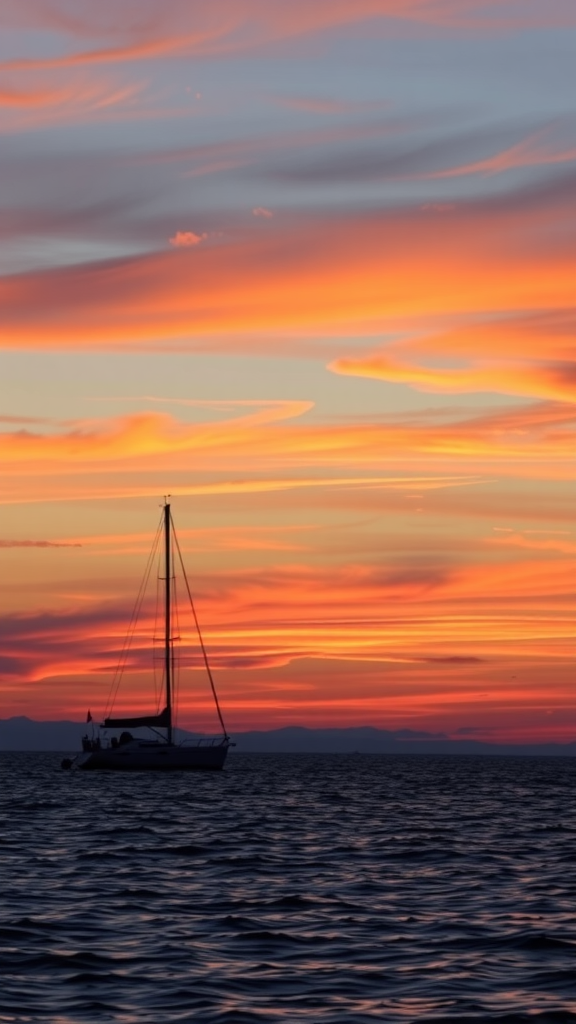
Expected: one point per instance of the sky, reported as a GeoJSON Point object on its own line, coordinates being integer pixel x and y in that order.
{"type": "Point", "coordinates": [309, 268]}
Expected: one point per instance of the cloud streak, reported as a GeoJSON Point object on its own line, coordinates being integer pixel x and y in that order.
{"type": "Point", "coordinates": [278, 450]}
{"type": "Point", "coordinates": [420, 642]}
{"type": "Point", "coordinates": [539, 380]}
{"type": "Point", "coordinates": [37, 544]}
{"type": "Point", "coordinates": [228, 26]}
{"type": "Point", "coordinates": [70, 100]}
{"type": "Point", "coordinates": [398, 156]}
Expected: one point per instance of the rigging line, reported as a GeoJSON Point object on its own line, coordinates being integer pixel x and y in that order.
{"type": "Point", "coordinates": [158, 685]}
{"type": "Point", "coordinates": [175, 648]}
{"type": "Point", "coordinates": [132, 626]}
{"type": "Point", "coordinates": [134, 620]}
{"type": "Point", "coordinates": [203, 649]}
{"type": "Point", "coordinates": [123, 660]}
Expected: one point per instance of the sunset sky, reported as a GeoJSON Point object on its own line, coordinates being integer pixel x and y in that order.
{"type": "Point", "coordinates": [310, 268]}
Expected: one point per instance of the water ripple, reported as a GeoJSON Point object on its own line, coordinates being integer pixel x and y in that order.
{"type": "Point", "coordinates": [328, 889]}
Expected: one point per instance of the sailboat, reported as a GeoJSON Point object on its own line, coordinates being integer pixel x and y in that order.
{"type": "Point", "coordinates": [160, 752]}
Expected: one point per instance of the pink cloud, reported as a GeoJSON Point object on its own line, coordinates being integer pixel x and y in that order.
{"type": "Point", "coordinates": [185, 239]}
{"type": "Point", "coordinates": [536, 150]}
{"type": "Point", "coordinates": [224, 27]}
{"type": "Point", "coordinates": [81, 96]}
{"type": "Point", "coordinates": [261, 211]}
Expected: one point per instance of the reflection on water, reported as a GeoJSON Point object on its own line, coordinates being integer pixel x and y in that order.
{"type": "Point", "coordinates": [318, 888]}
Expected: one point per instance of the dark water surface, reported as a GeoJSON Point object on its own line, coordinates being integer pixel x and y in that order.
{"type": "Point", "coordinates": [317, 888]}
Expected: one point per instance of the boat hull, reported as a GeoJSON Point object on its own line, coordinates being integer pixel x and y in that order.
{"type": "Point", "coordinates": [156, 757]}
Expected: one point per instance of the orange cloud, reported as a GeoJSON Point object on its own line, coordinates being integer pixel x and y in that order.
{"type": "Point", "coordinates": [470, 638]}
{"type": "Point", "coordinates": [531, 355]}
{"type": "Point", "coordinates": [544, 381]}
{"type": "Point", "coordinates": [536, 336]}
{"type": "Point", "coordinates": [276, 449]}
{"type": "Point", "coordinates": [267, 438]}
{"type": "Point", "coordinates": [396, 269]}
{"type": "Point", "coordinates": [353, 612]}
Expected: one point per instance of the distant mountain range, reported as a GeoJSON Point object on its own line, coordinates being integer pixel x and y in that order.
{"type": "Point", "coordinates": [25, 734]}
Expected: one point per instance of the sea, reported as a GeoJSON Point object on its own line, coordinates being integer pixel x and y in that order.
{"type": "Point", "coordinates": [318, 888]}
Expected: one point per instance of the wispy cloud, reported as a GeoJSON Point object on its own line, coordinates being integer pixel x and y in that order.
{"type": "Point", "coordinates": [396, 154]}
{"type": "Point", "coordinates": [69, 101]}
{"type": "Point", "coordinates": [440, 639]}
{"type": "Point", "coordinates": [38, 544]}
{"type": "Point", "coordinates": [530, 543]}
{"type": "Point", "coordinates": [220, 28]}
{"type": "Point", "coordinates": [530, 355]}
{"type": "Point", "coordinates": [540, 380]}
{"type": "Point", "coordinates": [278, 451]}
{"type": "Point", "coordinates": [534, 151]}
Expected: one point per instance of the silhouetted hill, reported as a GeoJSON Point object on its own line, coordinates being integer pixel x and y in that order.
{"type": "Point", "coordinates": [25, 734]}
{"type": "Point", "coordinates": [368, 740]}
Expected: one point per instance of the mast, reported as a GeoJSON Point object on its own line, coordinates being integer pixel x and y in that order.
{"type": "Point", "coordinates": [167, 617]}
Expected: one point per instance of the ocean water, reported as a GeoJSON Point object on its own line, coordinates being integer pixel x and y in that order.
{"type": "Point", "coordinates": [290, 888]}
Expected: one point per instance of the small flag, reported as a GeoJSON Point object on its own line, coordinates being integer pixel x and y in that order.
{"type": "Point", "coordinates": [88, 717]}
